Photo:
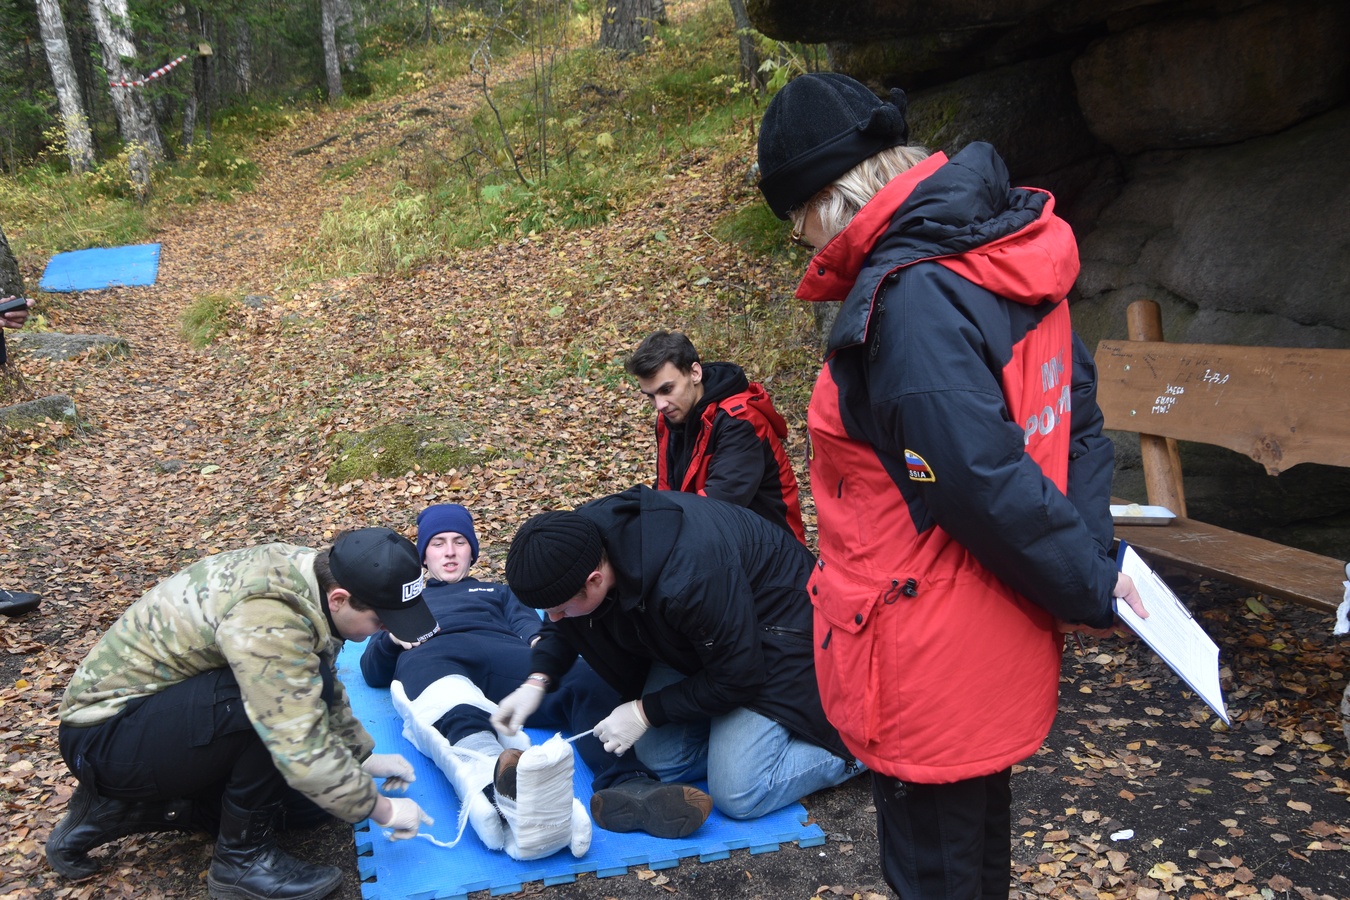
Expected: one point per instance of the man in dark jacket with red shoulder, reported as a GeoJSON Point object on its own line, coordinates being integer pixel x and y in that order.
{"type": "Point", "coordinates": [717, 434]}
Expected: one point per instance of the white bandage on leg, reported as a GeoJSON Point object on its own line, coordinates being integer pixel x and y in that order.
{"type": "Point", "coordinates": [468, 770]}
{"type": "Point", "coordinates": [545, 817]}
{"type": "Point", "coordinates": [443, 695]}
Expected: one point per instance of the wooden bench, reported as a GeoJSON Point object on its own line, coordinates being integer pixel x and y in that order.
{"type": "Point", "coordinates": [1280, 406]}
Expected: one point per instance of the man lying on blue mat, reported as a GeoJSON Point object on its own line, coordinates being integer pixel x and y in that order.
{"type": "Point", "coordinates": [696, 611]}
{"type": "Point", "coordinates": [445, 689]}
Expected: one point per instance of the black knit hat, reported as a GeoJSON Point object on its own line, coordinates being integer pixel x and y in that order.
{"type": "Point", "coordinates": [818, 127]}
{"type": "Point", "coordinates": [551, 556]}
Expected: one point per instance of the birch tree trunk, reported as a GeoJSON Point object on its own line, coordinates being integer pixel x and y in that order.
{"type": "Point", "coordinates": [190, 113]}
{"type": "Point", "coordinates": [746, 40]}
{"type": "Point", "coordinates": [79, 143]}
{"type": "Point", "coordinates": [332, 66]}
{"type": "Point", "coordinates": [135, 119]}
{"type": "Point", "coordinates": [344, 33]}
{"type": "Point", "coordinates": [243, 56]}
{"type": "Point", "coordinates": [625, 25]}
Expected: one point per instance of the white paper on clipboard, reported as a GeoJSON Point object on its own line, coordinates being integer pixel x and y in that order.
{"type": "Point", "coordinates": [1171, 632]}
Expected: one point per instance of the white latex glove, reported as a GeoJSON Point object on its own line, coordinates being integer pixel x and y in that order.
{"type": "Point", "coordinates": [405, 818]}
{"type": "Point", "coordinates": [396, 771]}
{"type": "Point", "coordinates": [516, 707]}
{"type": "Point", "coordinates": [622, 728]}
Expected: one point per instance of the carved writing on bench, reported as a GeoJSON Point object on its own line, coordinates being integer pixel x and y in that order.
{"type": "Point", "coordinates": [1164, 404]}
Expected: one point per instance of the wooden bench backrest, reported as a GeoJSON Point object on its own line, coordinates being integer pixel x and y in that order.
{"type": "Point", "coordinates": [1280, 406]}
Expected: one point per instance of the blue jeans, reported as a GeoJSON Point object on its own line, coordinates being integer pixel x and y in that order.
{"type": "Point", "coordinates": [753, 765]}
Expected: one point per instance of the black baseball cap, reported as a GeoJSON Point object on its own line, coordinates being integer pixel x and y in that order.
{"type": "Point", "coordinates": [381, 569]}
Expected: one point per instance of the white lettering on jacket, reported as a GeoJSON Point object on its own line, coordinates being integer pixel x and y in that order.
{"type": "Point", "coordinates": [1052, 371]}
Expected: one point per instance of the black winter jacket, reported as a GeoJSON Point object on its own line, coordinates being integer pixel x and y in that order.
{"type": "Point", "coordinates": [713, 591]}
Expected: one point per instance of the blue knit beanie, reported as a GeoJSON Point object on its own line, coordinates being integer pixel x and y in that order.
{"type": "Point", "coordinates": [441, 518]}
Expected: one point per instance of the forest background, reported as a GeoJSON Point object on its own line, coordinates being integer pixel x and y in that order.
{"type": "Point", "coordinates": [418, 284]}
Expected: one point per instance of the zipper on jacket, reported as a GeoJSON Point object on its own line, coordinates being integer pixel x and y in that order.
{"type": "Point", "coordinates": [876, 335]}
{"type": "Point", "coordinates": [789, 632]}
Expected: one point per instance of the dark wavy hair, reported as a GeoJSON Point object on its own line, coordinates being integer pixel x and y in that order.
{"type": "Point", "coordinates": [659, 348]}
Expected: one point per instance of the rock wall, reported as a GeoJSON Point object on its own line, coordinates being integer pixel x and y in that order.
{"type": "Point", "coordinates": [1201, 151]}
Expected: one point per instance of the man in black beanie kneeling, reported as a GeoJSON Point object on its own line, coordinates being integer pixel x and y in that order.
{"type": "Point", "coordinates": [696, 611]}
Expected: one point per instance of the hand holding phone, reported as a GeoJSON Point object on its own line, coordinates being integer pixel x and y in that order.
{"type": "Point", "coordinates": [13, 304]}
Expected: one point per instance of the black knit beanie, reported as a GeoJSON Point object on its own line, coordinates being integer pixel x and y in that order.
{"type": "Point", "coordinates": [818, 127]}
{"type": "Point", "coordinates": [551, 556]}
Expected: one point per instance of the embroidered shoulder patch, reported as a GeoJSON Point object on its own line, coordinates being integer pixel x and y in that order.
{"type": "Point", "coordinates": [918, 469]}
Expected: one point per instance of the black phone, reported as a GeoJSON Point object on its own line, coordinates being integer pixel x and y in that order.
{"type": "Point", "coordinates": [12, 304]}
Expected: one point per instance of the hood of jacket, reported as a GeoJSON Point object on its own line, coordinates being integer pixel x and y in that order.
{"type": "Point", "coordinates": [640, 528]}
{"type": "Point", "coordinates": [720, 381]}
{"type": "Point", "coordinates": [958, 212]}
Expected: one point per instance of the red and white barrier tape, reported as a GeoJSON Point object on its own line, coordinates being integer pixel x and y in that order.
{"type": "Point", "coordinates": [151, 77]}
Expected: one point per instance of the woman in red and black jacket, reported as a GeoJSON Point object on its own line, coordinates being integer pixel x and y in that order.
{"type": "Point", "coordinates": [958, 466]}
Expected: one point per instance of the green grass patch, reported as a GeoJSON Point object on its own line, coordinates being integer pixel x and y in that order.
{"type": "Point", "coordinates": [415, 444]}
{"type": "Point", "coordinates": [205, 319]}
{"type": "Point", "coordinates": [46, 211]}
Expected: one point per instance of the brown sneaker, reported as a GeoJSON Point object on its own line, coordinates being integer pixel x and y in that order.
{"type": "Point", "coordinates": [644, 804]}
{"type": "Point", "coordinates": [504, 775]}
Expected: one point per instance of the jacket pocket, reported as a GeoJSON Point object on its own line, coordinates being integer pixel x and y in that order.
{"type": "Point", "coordinates": [851, 667]}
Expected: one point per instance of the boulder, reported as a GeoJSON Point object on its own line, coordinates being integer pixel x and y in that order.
{"type": "Point", "coordinates": [1028, 111]}
{"type": "Point", "coordinates": [57, 407]}
{"type": "Point", "coordinates": [800, 20]}
{"type": "Point", "coordinates": [1204, 80]}
{"type": "Point", "coordinates": [1241, 244]}
{"type": "Point", "coordinates": [51, 345]}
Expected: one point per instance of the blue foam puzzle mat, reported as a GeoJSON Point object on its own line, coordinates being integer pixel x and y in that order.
{"type": "Point", "coordinates": [419, 870]}
{"type": "Point", "coordinates": [92, 270]}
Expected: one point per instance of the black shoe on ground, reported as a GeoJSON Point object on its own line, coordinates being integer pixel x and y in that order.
{"type": "Point", "coordinates": [16, 603]}
{"type": "Point", "coordinates": [248, 865]}
{"type": "Point", "coordinates": [662, 810]}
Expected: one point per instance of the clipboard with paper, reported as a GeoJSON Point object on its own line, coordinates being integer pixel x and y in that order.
{"type": "Point", "coordinates": [1171, 632]}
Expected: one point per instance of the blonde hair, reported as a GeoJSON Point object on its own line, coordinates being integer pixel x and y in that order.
{"type": "Point", "coordinates": [839, 202]}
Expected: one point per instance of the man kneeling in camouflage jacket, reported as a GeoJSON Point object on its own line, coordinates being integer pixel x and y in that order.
{"type": "Point", "coordinates": [212, 704]}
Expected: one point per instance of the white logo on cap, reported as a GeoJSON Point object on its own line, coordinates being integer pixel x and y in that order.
{"type": "Point", "coordinates": [412, 590]}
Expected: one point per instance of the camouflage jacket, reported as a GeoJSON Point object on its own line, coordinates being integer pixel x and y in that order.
{"type": "Point", "coordinates": [258, 611]}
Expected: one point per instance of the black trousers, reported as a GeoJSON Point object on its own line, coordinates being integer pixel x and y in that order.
{"type": "Point", "coordinates": [192, 741]}
{"type": "Point", "coordinates": [946, 841]}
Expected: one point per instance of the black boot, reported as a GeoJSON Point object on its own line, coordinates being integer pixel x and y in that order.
{"type": "Point", "coordinates": [249, 866]}
{"type": "Point", "coordinates": [92, 820]}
